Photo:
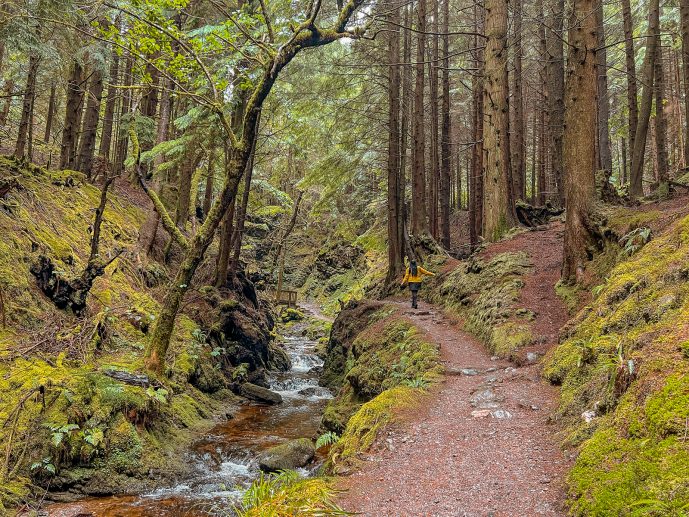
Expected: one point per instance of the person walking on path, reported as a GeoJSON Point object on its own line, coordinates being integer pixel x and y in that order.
{"type": "Point", "coordinates": [414, 277]}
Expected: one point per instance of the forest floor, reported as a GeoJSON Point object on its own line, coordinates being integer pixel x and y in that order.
{"type": "Point", "coordinates": [482, 444]}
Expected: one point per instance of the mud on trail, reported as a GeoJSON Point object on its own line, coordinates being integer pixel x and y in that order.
{"type": "Point", "coordinates": [482, 443]}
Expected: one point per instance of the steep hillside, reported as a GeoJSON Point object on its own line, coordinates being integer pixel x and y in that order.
{"type": "Point", "coordinates": [78, 412]}
{"type": "Point", "coordinates": [623, 365]}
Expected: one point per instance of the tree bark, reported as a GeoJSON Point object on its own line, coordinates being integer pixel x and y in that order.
{"type": "Point", "coordinates": [684, 14]}
{"type": "Point", "coordinates": [519, 168]}
{"type": "Point", "coordinates": [630, 62]}
{"type": "Point", "coordinates": [125, 107]}
{"type": "Point", "coordinates": [434, 183]}
{"type": "Point", "coordinates": [446, 137]}
{"type": "Point", "coordinates": [110, 105]}
{"type": "Point", "coordinates": [407, 96]}
{"type": "Point", "coordinates": [580, 125]}
{"type": "Point", "coordinates": [149, 229]}
{"type": "Point", "coordinates": [604, 147]}
{"type": "Point", "coordinates": [419, 218]}
{"type": "Point", "coordinates": [660, 119]}
{"type": "Point", "coordinates": [498, 214]}
{"type": "Point", "coordinates": [556, 97]}
{"type": "Point", "coordinates": [222, 265]}
{"type": "Point", "coordinates": [87, 145]}
{"type": "Point", "coordinates": [27, 106]}
{"type": "Point", "coordinates": [210, 181]}
{"type": "Point", "coordinates": [477, 172]}
{"type": "Point", "coordinates": [75, 96]}
{"type": "Point", "coordinates": [241, 213]}
{"type": "Point", "coordinates": [543, 190]}
{"type": "Point", "coordinates": [637, 173]}
{"type": "Point", "coordinates": [393, 193]}
{"type": "Point", "coordinates": [50, 115]}
{"type": "Point", "coordinates": [8, 94]}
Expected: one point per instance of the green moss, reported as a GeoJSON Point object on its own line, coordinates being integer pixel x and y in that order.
{"type": "Point", "coordinates": [387, 353]}
{"type": "Point", "coordinates": [623, 358]}
{"type": "Point", "coordinates": [510, 337]}
{"type": "Point", "coordinates": [366, 424]}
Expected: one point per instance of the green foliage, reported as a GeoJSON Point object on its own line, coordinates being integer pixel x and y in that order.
{"type": "Point", "coordinates": [327, 439]}
{"type": "Point", "coordinates": [287, 494]}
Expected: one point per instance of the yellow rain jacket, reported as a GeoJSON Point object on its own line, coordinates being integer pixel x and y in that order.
{"type": "Point", "coordinates": [420, 273]}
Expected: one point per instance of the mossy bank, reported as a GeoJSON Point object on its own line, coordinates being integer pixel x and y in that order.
{"type": "Point", "coordinates": [78, 412]}
{"type": "Point", "coordinates": [623, 365]}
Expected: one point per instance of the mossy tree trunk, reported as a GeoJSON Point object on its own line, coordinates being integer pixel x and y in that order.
{"type": "Point", "coordinates": [580, 126]}
{"type": "Point", "coordinates": [308, 36]}
{"type": "Point", "coordinates": [498, 215]}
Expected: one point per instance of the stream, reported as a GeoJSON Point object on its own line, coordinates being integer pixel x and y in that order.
{"type": "Point", "coordinates": [226, 459]}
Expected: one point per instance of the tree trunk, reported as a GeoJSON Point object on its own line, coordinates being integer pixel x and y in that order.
{"type": "Point", "coordinates": [394, 213]}
{"type": "Point", "coordinates": [684, 12]}
{"type": "Point", "coordinates": [477, 173]}
{"type": "Point", "coordinates": [519, 168]}
{"type": "Point", "coordinates": [556, 97]}
{"type": "Point", "coordinates": [241, 213]}
{"type": "Point", "coordinates": [8, 93]}
{"type": "Point", "coordinates": [50, 115]}
{"type": "Point", "coordinates": [660, 120]}
{"type": "Point", "coordinates": [623, 179]}
{"type": "Point", "coordinates": [87, 145]}
{"type": "Point", "coordinates": [445, 140]}
{"type": "Point", "coordinates": [498, 214]}
{"type": "Point", "coordinates": [434, 182]}
{"type": "Point", "coordinates": [604, 148]}
{"type": "Point", "coordinates": [542, 109]}
{"type": "Point", "coordinates": [125, 107]}
{"type": "Point", "coordinates": [580, 125]}
{"type": "Point", "coordinates": [223, 262]}
{"type": "Point", "coordinates": [110, 105]}
{"type": "Point", "coordinates": [27, 106]}
{"type": "Point", "coordinates": [419, 218]}
{"type": "Point", "coordinates": [630, 61]}
{"type": "Point", "coordinates": [407, 96]}
{"type": "Point", "coordinates": [637, 173]}
{"type": "Point", "coordinates": [210, 181]}
{"type": "Point", "coordinates": [75, 96]}
{"type": "Point", "coordinates": [149, 229]}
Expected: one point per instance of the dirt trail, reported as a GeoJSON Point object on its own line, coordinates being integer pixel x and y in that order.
{"type": "Point", "coordinates": [481, 445]}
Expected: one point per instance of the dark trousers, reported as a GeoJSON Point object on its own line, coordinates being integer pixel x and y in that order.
{"type": "Point", "coordinates": [414, 288]}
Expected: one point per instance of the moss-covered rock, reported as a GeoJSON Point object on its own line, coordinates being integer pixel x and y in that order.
{"type": "Point", "coordinates": [287, 456]}
{"type": "Point", "coordinates": [373, 348]}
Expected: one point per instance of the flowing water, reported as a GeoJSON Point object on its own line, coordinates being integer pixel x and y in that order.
{"type": "Point", "coordinates": [226, 459]}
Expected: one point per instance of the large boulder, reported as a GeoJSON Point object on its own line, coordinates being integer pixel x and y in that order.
{"type": "Point", "coordinates": [259, 394]}
{"type": "Point", "coordinates": [288, 456]}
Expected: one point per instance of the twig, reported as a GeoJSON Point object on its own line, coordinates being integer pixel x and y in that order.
{"type": "Point", "coordinates": [3, 310]}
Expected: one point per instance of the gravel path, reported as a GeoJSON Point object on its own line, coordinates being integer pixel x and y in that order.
{"type": "Point", "coordinates": [481, 445]}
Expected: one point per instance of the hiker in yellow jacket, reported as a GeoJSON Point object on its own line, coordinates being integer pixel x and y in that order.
{"type": "Point", "coordinates": [414, 277]}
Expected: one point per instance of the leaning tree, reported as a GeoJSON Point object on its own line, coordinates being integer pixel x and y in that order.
{"type": "Point", "coordinates": [246, 38]}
